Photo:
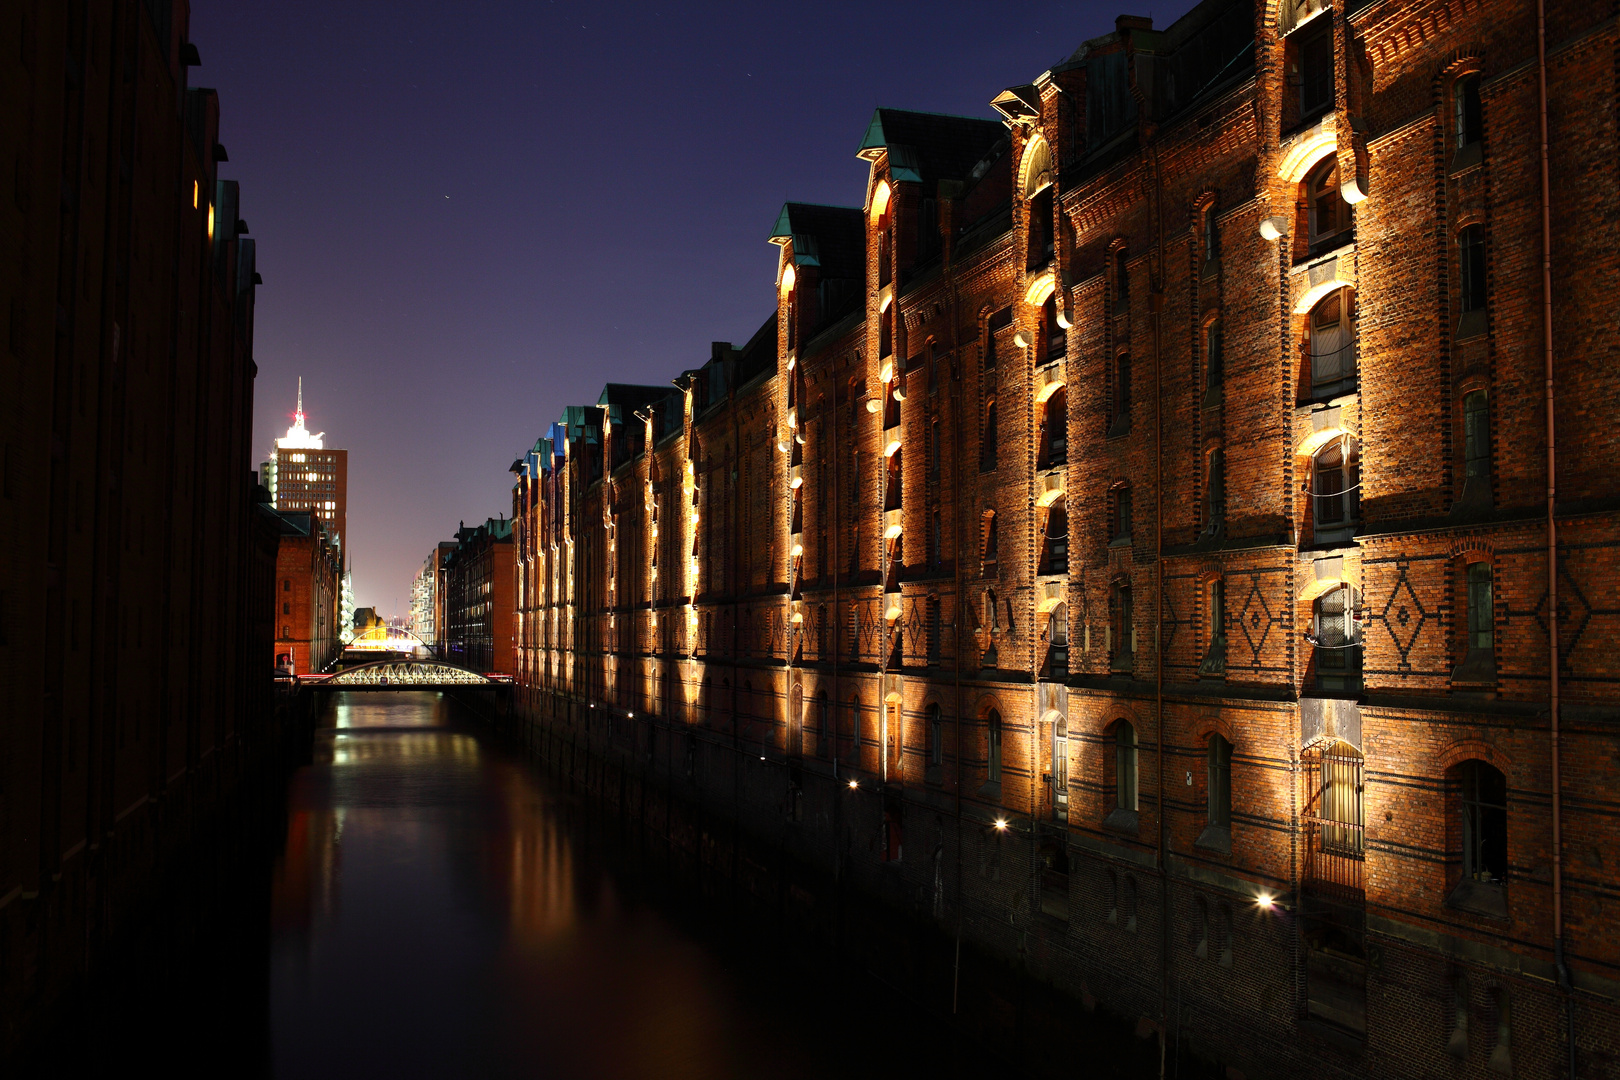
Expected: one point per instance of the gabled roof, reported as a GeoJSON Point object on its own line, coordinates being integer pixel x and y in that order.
{"type": "Point", "coordinates": [832, 238]}
{"type": "Point", "coordinates": [928, 147]}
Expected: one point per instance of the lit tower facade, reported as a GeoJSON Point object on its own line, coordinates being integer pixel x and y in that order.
{"type": "Point", "coordinates": [302, 474]}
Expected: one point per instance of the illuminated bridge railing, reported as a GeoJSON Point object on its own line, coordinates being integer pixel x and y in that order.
{"type": "Point", "coordinates": [406, 674]}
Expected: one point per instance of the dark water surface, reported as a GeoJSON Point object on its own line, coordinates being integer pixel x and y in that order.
{"type": "Point", "coordinates": [435, 912]}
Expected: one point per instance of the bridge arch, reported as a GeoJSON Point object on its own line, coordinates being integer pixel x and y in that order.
{"type": "Point", "coordinates": [405, 674]}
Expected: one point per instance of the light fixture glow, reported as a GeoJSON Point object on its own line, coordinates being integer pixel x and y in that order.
{"type": "Point", "coordinates": [1265, 901]}
{"type": "Point", "coordinates": [1001, 824]}
{"type": "Point", "coordinates": [853, 784]}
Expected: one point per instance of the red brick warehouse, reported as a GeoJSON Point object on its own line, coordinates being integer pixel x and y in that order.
{"type": "Point", "coordinates": [1134, 538]}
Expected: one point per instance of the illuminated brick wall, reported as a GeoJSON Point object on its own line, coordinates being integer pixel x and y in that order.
{"type": "Point", "coordinates": [1267, 488]}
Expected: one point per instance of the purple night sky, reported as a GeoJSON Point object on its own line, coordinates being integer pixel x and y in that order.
{"type": "Point", "coordinates": [472, 214]}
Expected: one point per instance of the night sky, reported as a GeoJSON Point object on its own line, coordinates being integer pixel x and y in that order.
{"type": "Point", "coordinates": [470, 214]}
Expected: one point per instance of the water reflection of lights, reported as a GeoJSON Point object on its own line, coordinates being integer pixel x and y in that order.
{"type": "Point", "coordinates": [349, 748]}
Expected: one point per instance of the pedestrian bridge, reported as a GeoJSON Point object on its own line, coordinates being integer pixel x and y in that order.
{"type": "Point", "coordinates": [406, 675]}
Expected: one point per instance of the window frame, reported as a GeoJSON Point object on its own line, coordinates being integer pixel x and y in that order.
{"type": "Point", "coordinates": [1127, 761]}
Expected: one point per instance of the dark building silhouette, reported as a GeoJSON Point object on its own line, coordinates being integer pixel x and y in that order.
{"type": "Point", "coordinates": [135, 615]}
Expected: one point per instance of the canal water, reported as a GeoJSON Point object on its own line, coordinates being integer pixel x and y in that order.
{"type": "Point", "coordinates": [435, 910]}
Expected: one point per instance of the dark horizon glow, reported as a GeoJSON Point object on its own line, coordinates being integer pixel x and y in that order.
{"type": "Point", "coordinates": [471, 215]}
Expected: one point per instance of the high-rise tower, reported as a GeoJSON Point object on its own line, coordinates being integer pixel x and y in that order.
{"type": "Point", "coordinates": [303, 475]}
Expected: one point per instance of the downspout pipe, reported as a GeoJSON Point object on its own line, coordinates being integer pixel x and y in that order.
{"type": "Point", "coordinates": [1552, 541]}
{"type": "Point", "coordinates": [1156, 311]}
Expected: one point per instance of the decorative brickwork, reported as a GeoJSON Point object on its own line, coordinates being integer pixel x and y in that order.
{"type": "Point", "coordinates": [1176, 426]}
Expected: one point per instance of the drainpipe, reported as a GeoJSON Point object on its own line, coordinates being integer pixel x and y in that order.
{"type": "Point", "coordinates": [1156, 309]}
{"type": "Point", "coordinates": [949, 252]}
{"type": "Point", "coordinates": [1552, 542]}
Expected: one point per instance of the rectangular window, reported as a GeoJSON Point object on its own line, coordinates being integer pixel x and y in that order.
{"type": "Point", "coordinates": [1122, 513]}
{"type": "Point", "coordinates": [1122, 386]}
{"type": "Point", "coordinates": [1481, 631]}
{"type": "Point", "coordinates": [1316, 69]}
{"type": "Point", "coordinates": [1122, 278]}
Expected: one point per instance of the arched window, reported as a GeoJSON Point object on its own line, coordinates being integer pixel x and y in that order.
{"type": "Point", "coordinates": [1336, 639]}
{"type": "Point", "coordinates": [1125, 766]}
{"type": "Point", "coordinates": [1328, 215]}
{"type": "Point", "coordinates": [1120, 514]}
{"type": "Point", "coordinates": [1040, 229]}
{"type": "Point", "coordinates": [987, 441]}
{"type": "Point", "coordinates": [992, 725]}
{"type": "Point", "coordinates": [1055, 430]}
{"type": "Point", "coordinates": [1218, 768]}
{"type": "Point", "coordinates": [1215, 658]}
{"type": "Point", "coordinates": [1484, 822]}
{"type": "Point", "coordinates": [1333, 343]}
{"type": "Point", "coordinates": [1215, 490]}
{"type": "Point", "coordinates": [1212, 236]}
{"type": "Point", "coordinates": [1122, 628]}
{"type": "Point", "coordinates": [1476, 437]}
{"type": "Point", "coordinates": [1055, 556]}
{"type": "Point", "coordinates": [1057, 642]}
{"type": "Point", "coordinates": [991, 542]}
{"type": "Point", "coordinates": [1336, 490]}
{"type": "Point", "coordinates": [1052, 332]}
{"type": "Point", "coordinates": [1468, 117]}
{"type": "Point", "coordinates": [884, 254]}
{"type": "Point", "coordinates": [1060, 767]}
{"type": "Point", "coordinates": [1337, 808]}
{"type": "Point", "coordinates": [1471, 280]}
{"type": "Point", "coordinates": [1481, 616]}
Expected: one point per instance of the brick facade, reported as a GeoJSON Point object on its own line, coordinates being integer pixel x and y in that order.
{"type": "Point", "coordinates": [135, 618]}
{"type": "Point", "coordinates": [309, 575]}
{"type": "Point", "coordinates": [1129, 537]}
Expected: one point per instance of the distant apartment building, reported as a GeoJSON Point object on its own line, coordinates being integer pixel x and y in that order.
{"type": "Point", "coordinates": [479, 598]}
{"type": "Point", "coordinates": [425, 595]}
